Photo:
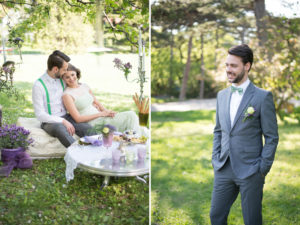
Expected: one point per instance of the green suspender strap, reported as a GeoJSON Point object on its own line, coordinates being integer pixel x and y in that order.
{"type": "Point", "coordinates": [47, 93]}
{"type": "Point", "coordinates": [62, 84]}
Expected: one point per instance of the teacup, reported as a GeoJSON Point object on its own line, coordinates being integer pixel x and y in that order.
{"type": "Point", "coordinates": [142, 151]}
{"type": "Point", "coordinates": [116, 155]}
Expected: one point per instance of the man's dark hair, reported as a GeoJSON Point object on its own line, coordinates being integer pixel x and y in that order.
{"type": "Point", "coordinates": [244, 52]}
{"type": "Point", "coordinates": [73, 68]}
{"type": "Point", "coordinates": [57, 58]}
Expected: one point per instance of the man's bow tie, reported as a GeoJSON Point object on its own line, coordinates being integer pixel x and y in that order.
{"type": "Point", "coordinates": [239, 90]}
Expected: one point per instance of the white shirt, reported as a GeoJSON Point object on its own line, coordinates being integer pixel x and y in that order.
{"type": "Point", "coordinates": [236, 100]}
{"type": "Point", "coordinates": [39, 100]}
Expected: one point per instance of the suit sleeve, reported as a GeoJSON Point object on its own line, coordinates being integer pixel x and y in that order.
{"type": "Point", "coordinates": [270, 132]}
{"type": "Point", "coordinates": [217, 135]}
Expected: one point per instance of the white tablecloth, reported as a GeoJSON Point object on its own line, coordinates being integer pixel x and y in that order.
{"type": "Point", "coordinates": [81, 154]}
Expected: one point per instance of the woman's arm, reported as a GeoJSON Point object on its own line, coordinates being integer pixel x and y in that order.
{"type": "Point", "coordinates": [97, 103]}
{"type": "Point", "coordinates": [100, 107]}
{"type": "Point", "coordinates": [71, 108]}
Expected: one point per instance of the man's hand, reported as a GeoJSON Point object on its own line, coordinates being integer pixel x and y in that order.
{"type": "Point", "coordinates": [69, 127]}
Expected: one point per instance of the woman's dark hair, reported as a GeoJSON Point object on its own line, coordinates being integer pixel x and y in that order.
{"type": "Point", "coordinates": [57, 59]}
{"type": "Point", "coordinates": [73, 68]}
{"type": "Point", "coordinates": [244, 52]}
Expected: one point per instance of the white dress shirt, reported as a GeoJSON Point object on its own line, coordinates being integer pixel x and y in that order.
{"type": "Point", "coordinates": [236, 100]}
{"type": "Point", "coordinates": [39, 100]}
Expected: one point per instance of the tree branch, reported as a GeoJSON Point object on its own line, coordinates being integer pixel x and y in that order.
{"type": "Point", "coordinates": [118, 30]}
{"type": "Point", "coordinates": [133, 5]}
{"type": "Point", "coordinates": [18, 3]}
{"type": "Point", "coordinates": [85, 3]}
{"type": "Point", "coordinates": [79, 1]}
{"type": "Point", "coordinates": [108, 20]}
{"type": "Point", "coordinates": [67, 1]}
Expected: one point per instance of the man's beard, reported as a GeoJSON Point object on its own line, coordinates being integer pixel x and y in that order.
{"type": "Point", "coordinates": [239, 77]}
{"type": "Point", "coordinates": [57, 75]}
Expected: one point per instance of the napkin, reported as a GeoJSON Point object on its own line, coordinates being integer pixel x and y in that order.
{"type": "Point", "coordinates": [94, 140]}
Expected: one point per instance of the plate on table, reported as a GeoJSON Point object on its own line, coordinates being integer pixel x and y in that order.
{"type": "Point", "coordinates": [130, 134]}
{"type": "Point", "coordinates": [133, 140]}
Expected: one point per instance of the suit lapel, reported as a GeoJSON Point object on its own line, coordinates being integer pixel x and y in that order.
{"type": "Point", "coordinates": [244, 102]}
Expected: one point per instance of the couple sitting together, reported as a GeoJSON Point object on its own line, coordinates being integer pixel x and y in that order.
{"type": "Point", "coordinates": [58, 92]}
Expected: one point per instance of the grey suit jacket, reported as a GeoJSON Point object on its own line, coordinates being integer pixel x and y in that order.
{"type": "Point", "coordinates": [243, 141]}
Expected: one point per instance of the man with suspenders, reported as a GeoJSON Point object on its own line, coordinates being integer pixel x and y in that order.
{"type": "Point", "coordinates": [48, 105]}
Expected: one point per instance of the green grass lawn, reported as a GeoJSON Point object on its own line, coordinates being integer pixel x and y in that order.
{"type": "Point", "coordinates": [182, 174]}
{"type": "Point", "coordinates": [41, 195]}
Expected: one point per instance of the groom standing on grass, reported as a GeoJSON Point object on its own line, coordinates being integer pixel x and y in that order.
{"type": "Point", "coordinates": [245, 114]}
{"type": "Point", "coordinates": [47, 94]}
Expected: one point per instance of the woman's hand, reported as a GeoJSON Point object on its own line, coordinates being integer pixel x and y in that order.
{"type": "Point", "coordinates": [111, 113]}
{"type": "Point", "coordinates": [97, 107]}
{"type": "Point", "coordinates": [104, 114]}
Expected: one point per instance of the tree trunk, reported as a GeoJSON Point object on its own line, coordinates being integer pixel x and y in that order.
{"type": "Point", "coordinates": [242, 35]}
{"type": "Point", "coordinates": [201, 92]}
{"type": "Point", "coordinates": [186, 71]}
{"type": "Point", "coordinates": [99, 24]}
{"type": "Point", "coordinates": [217, 46]}
{"type": "Point", "coordinates": [171, 80]}
{"type": "Point", "coordinates": [260, 13]}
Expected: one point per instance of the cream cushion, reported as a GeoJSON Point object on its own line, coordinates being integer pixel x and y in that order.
{"type": "Point", "coordinates": [44, 145]}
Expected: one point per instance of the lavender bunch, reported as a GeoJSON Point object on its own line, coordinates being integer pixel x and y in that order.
{"type": "Point", "coordinates": [13, 136]}
{"type": "Point", "coordinates": [125, 67]}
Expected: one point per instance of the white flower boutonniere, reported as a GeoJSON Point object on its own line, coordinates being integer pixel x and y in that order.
{"type": "Point", "coordinates": [249, 113]}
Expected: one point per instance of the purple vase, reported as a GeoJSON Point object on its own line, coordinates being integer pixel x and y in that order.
{"type": "Point", "coordinates": [7, 154]}
{"type": "Point", "coordinates": [107, 140]}
{"type": "Point", "coordinates": [14, 158]}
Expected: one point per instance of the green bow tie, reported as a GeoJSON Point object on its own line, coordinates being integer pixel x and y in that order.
{"type": "Point", "coordinates": [239, 90]}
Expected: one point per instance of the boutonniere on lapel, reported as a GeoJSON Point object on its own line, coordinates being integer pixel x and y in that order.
{"type": "Point", "coordinates": [249, 113]}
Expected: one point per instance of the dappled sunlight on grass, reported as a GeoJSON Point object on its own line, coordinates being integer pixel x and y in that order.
{"type": "Point", "coordinates": [42, 196]}
{"type": "Point", "coordinates": [181, 130]}
{"type": "Point", "coordinates": [182, 175]}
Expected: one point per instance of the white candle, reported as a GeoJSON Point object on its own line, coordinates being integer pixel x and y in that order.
{"type": "Point", "coordinates": [143, 58]}
{"type": "Point", "coordinates": [140, 42]}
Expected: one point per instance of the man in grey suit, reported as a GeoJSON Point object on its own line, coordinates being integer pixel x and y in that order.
{"type": "Point", "coordinates": [245, 114]}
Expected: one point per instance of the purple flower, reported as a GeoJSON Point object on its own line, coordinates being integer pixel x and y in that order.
{"type": "Point", "coordinates": [128, 65]}
{"type": "Point", "coordinates": [118, 63]}
{"type": "Point", "coordinates": [13, 136]}
{"type": "Point", "coordinates": [110, 127]}
{"type": "Point", "coordinates": [6, 69]}
{"type": "Point", "coordinates": [125, 67]}
{"type": "Point", "coordinates": [107, 129]}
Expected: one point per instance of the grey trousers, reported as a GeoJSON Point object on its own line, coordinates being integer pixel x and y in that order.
{"type": "Point", "coordinates": [225, 191]}
{"type": "Point", "coordinates": [60, 131]}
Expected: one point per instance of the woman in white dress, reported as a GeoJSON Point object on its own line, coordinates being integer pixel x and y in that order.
{"type": "Point", "coordinates": [84, 107]}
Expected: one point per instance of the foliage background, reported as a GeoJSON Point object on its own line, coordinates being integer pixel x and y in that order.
{"type": "Point", "coordinates": [190, 40]}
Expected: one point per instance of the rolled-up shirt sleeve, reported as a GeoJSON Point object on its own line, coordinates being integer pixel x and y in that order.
{"type": "Point", "coordinates": [40, 108]}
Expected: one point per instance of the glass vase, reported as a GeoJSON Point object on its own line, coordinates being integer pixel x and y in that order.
{"type": "Point", "coordinates": [107, 140]}
{"type": "Point", "coordinates": [143, 118]}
